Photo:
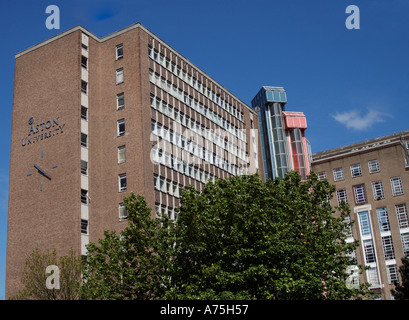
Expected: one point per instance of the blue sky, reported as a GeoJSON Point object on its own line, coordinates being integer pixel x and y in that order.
{"type": "Point", "coordinates": [352, 85]}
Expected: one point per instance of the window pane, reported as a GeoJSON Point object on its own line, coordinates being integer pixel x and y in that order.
{"type": "Point", "coordinates": [84, 226]}
{"type": "Point", "coordinates": [356, 170]}
{"type": "Point", "coordinates": [402, 216]}
{"type": "Point", "coordinates": [84, 113]}
{"type": "Point", "coordinates": [122, 182]}
{"type": "Point", "coordinates": [388, 250]}
{"type": "Point", "coordinates": [84, 196]}
{"type": "Point", "coordinates": [396, 185]}
{"type": "Point", "coordinates": [369, 251]}
{"type": "Point", "coordinates": [119, 76]}
{"type": "Point", "coordinates": [377, 188]}
{"type": "Point", "coordinates": [121, 154]}
{"type": "Point", "coordinates": [84, 167]}
{"type": "Point", "coordinates": [373, 166]}
{"type": "Point", "coordinates": [84, 140]}
{"type": "Point", "coordinates": [119, 51]}
{"type": "Point", "coordinates": [120, 100]}
{"type": "Point", "coordinates": [364, 223]}
{"type": "Point", "coordinates": [359, 192]}
{"type": "Point", "coordinates": [383, 219]}
{"type": "Point", "coordinates": [338, 174]}
{"type": "Point", "coordinates": [342, 196]}
{"type": "Point", "coordinates": [123, 214]}
{"type": "Point", "coordinates": [121, 127]}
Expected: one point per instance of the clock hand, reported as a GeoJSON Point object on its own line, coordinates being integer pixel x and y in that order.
{"type": "Point", "coordinates": [42, 171]}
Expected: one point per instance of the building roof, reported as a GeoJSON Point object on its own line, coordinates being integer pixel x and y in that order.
{"type": "Point", "coordinates": [360, 147]}
{"type": "Point", "coordinates": [117, 33]}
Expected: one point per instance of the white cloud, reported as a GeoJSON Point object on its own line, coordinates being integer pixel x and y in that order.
{"type": "Point", "coordinates": [354, 120]}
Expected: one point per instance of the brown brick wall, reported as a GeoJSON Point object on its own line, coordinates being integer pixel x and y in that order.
{"type": "Point", "coordinates": [46, 86]}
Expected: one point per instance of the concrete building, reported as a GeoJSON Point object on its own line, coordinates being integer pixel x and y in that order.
{"type": "Point", "coordinates": [372, 177]}
{"type": "Point", "coordinates": [282, 134]}
{"type": "Point", "coordinates": [96, 118]}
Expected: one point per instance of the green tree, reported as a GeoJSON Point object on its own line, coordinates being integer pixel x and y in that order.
{"type": "Point", "coordinates": [133, 264]}
{"type": "Point", "coordinates": [240, 238]}
{"type": "Point", "coordinates": [401, 291]}
{"type": "Point", "coordinates": [243, 238]}
{"type": "Point", "coordinates": [35, 276]}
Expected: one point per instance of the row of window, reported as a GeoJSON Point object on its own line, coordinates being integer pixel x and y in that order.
{"type": "Point", "coordinates": [169, 160]}
{"type": "Point", "coordinates": [236, 145]}
{"type": "Point", "coordinates": [377, 189]}
{"type": "Point", "coordinates": [355, 169]}
{"type": "Point", "coordinates": [167, 186]}
{"type": "Point", "coordinates": [196, 105]}
{"type": "Point", "coordinates": [193, 82]}
{"type": "Point", "coordinates": [194, 148]}
{"type": "Point", "coordinates": [387, 242]}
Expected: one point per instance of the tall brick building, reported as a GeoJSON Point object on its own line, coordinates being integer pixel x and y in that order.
{"type": "Point", "coordinates": [372, 177]}
{"type": "Point", "coordinates": [96, 118]}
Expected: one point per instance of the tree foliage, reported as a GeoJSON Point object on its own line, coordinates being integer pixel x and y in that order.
{"type": "Point", "coordinates": [240, 238]}
{"type": "Point", "coordinates": [133, 264]}
{"type": "Point", "coordinates": [35, 276]}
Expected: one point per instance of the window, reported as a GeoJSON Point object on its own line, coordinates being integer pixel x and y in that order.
{"type": "Point", "coordinates": [377, 188]}
{"type": "Point", "coordinates": [123, 213]}
{"type": "Point", "coordinates": [84, 167]}
{"type": "Point", "coordinates": [119, 76]}
{"type": "Point", "coordinates": [405, 243]}
{"type": "Point", "coordinates": [119, 51]}
{"type": "Point", "coordinates": [84, 196]}
{"type": "Point", "coordinates": [356, 170]}
{"type": "Point", "coordinates": [84, 46]}
{"type": "Point", "coordinates": [338, 174]}
{"type": "Point", "coordinates": [84, 226]}
{"type": "Point", "coordinates": [369, 251]}
{"type": "Point", "coordinates": [342, 196]}
{"type": "Point", "coordinates": [373, 277]}
{"type": "Point", "coordinates": [121, 127]}
{"type": "Point", "coordinates": [383, 219]}
{"type": "Point", "coordinates": [121, 154]}
{"type": "Point", "coordinates": [120, 101]}
{"type": "Point", "coordinates": [84, 140]}
{"type": "Point", "coordinates": [388, 250]}
{"type": "Point", "coordinates": [122, 182]}
{"type": "Point", "coordinates": [373, 166]}
{"type": "Point", "coordinates": [84, 87]}
{"type": "Point", "coordinates": [84, 62]}
{"type": "Point", "coordinates": [396, 185]}
{"type": "Point", "coordinates": [84, 113]}
{"type": "Point", "coordinates": [359, 192]}
{"type": "Point", "coordinates": [364, 223]}
{"type": "Point", "coordinates": [322, 176]}
{"type": "Point", "coordinates": [392, 271]}
{"type": "Point", "coordinates": [402, 216]}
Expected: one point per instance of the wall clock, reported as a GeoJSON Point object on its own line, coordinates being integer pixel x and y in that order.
{"type": "Point", "coordinates": [40, 169]}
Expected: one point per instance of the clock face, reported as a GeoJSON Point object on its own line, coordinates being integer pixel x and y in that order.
{"type": "Point", "coordinates": [39, 168]}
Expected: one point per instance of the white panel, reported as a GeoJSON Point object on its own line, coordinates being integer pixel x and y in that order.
{"type": "Point", "coordinates": [84, 74]}
{"type": "Point", "coordinates": [84, 99]}
{"type": "Point", "coordinates": [84, 182]}
{"type": "Point", "coordinates": [84, 212]}
{"type": "Point", "coordinates": [85, 39]}
{"type": "Point", "coordinates": [84, 126]}
{"type": "Point", "coordinates": [84, 154]}
{"type": "Point", "coordinates": [84, 241]}
{"type": "Point", "coordinates": [84, 52]}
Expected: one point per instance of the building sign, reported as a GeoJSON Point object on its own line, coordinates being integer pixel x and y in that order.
{"type": "Point", "coordinates": [43, 130]}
